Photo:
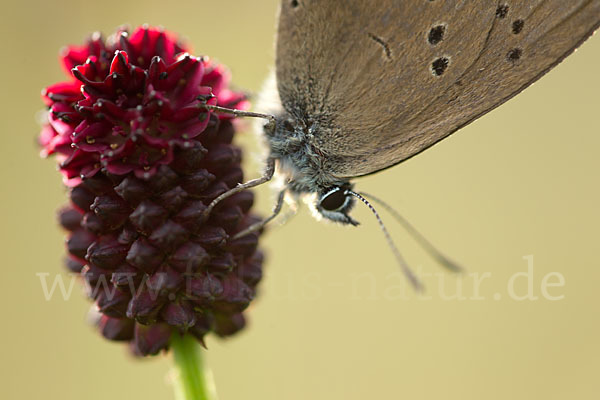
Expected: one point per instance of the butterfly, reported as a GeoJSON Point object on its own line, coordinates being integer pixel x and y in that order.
{"type": "Point", "coordinates": [365, 85]}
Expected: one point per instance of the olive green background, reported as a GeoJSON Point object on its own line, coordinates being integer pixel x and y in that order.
{"type": "Point", "coordinates": [334, 319]}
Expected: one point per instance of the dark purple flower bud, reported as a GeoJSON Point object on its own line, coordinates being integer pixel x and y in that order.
{"type": "Point", "coordinates": [190, 160]}
{"type": "Point", "coordinates": [228, 218]}
{"type": "Point", "coordinates": [69, 218]}
{"type": "Point", "coordinates": [165, 279]}
{"type": "Point", "coordinates": [79, 241]}
{"type": "Point", "coordinates": [251, 270]}
{"type": "Point", "coordinates": [111, 301]}
{"type": "Point", "coordinates": [204, 289]}
{"type": "Point", "coordinates": [244, 200]}
{"type": "Point", "coordinates": [164, 179]}
{"type": "Point", "coordinates": [169, 235]}
{"type": "Point", "coordinates": [93, 275]}
{"type": "Point", "coordinates": [147, 215]}
{"type": "Point", "coordinates": [173, 199]}
{"type": "Point", "coordinates": [99, 184]}
{"type": "Point", "coordinates": [179, 314]}
{"type": "Point", "coordinates": [73, 264]}
{"type": "Point", "coordinates": [227, 325]}
{"type": "Point", "coordinates": [233, 176]}
{"type": "Point", "coordinates": [106, 253]}
{"type": "Point", "coordinates": [236, 295]}
{"type": "Point", "coordinates": [204, 322]}
{"type": "Point", "coordinates": [192, 215]}
{"type": "Point", "coordinates": [150, 339]}
{"type": "Point", "coordinates": [189, 257]}
{"type": "Point", "coordinates": [128, 235]}
{"type": "Point", "coordinates": [144, 306]}
{"type": "Point", "coordinates": [197, 182]}
{"type": "Point", "coordinates": [223, 263]}
{"type": "Point", "coordinates": [126, 277]}
{"type": "Point", "coordinates": [245, 245]}
{"type": "Point", "coordinates": [111, 209]}
{"type": "Point", "coordinates": [222, 156]}
{"type": "Point", "coordinates": [93, 223]}
{"type": "Point", "coordinates": [120, 329]}
{"type": "Point", "coordinates": [211, 236]}
{"type": "Point", "coordinates": [82, 198]}
{"type": "Point", "coordinates": [144, 256]}
{"type": "Point", "coordinates": [132, 190]}
{"type": "Point", "coordinates": [213, 191]}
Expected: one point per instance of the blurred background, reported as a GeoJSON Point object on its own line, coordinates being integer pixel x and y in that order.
{"type": "Point", "coordinates": [514, 197]}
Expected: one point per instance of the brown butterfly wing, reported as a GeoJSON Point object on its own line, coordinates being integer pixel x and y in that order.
{"type": "Point", "coordinates": [382, 80]}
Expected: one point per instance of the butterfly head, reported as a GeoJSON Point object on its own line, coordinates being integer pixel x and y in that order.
{"type": "Point", "coordinates": [335, 203]}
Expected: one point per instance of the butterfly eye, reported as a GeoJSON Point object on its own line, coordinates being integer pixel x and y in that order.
{"type": "Point", "coordinates": [333, 200]}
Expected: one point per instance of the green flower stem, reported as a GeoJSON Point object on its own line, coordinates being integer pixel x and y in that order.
{"type": "Point", "coordinates": [192, 380]}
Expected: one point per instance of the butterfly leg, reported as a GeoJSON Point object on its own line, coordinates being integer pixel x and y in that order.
{"type": "Point", "coordinates": [268, 174]}
{"type": "Point", "coordinates": [241, 113]}
{"type": "Point", "coordinates": [259, 225]}
{"type": "Point", "coordinates": [293, 210]}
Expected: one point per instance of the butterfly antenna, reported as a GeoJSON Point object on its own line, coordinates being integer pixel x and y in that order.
{"type": "Point", "coordinates": [422, 240]}
{"type": "Point", "coordinates": [405, 268]}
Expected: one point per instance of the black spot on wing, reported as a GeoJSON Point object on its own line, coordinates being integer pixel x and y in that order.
{"type": "Point", "coordinates": [439, 66]}
{"type": "Point", "coordinates": [436, 34]}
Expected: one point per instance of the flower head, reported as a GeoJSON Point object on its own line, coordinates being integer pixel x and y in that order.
{"type": "Point", "coordinates": [143, 157]}
{"type": "Point", "coordinates": [134, 100]}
